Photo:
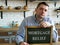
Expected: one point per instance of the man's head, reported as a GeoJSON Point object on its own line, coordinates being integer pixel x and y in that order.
{"type": "Point", "coordinates": [41, 9]}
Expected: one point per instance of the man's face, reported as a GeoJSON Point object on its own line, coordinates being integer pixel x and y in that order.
{"type": "Point", "coordinates": [41, 11]}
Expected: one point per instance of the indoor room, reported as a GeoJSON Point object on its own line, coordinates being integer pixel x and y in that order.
{"type": "Point", "coordinates": [13, 13]}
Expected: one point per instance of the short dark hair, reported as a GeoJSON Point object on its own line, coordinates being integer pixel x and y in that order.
{"type": "Point", "coordinates": [44, 3]}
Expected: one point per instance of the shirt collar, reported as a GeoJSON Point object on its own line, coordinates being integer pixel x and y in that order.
{"type": "Point", "coordinates": [36, 20]}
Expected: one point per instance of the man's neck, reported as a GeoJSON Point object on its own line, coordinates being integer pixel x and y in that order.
{"type": "Point", "coordinates": [40, 19]}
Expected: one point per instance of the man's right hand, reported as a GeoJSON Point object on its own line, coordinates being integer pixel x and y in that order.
{"type": "Point", "coordinates": [45, 24]}
{"type": "Point", "coordinates": [23, 43]}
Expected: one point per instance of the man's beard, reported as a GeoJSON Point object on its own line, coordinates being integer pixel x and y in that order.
{"type": "Point", "coordinates": [39, 18]}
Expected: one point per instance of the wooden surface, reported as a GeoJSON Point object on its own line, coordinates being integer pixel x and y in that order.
{"type": "Point", "coordinates": [13, 10]}
{"type": "Point", "coordinates": [58, 43]}
{"type": "Point", "coordinates": [35, 44]}
{"type": "Point", "coordinates": [57, 26]}
{"type": "Point", "coordinates": [13, 29]}
{"type": "Point", "coordinates": [8, 44]}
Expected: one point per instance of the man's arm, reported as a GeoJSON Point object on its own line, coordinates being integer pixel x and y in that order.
{"type": "Point", "coordinates": [55, 34]}
{"type": "Point", "coordinates": [47, 23]}
{"type": "Point", "coordinates": [20, 33]}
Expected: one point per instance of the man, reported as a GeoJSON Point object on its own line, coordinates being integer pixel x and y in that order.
{"type": "Point", "coordinates": [39, 19]}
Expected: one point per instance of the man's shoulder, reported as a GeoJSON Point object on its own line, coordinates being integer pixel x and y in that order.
{"type": "Point", "coordinates": [48, 17]}
{"type": "Point", "coordinates": [29, 17]}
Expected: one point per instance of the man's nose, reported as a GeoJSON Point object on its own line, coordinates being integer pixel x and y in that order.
{"type": "Point", "coordinates": [43, 11]}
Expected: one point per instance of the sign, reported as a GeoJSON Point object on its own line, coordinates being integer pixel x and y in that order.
{"type": "Point", "coordinates": [38, 35]}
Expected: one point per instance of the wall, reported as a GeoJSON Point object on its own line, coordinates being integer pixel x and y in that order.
{"type": "Point", "coordinates": [8, 17]}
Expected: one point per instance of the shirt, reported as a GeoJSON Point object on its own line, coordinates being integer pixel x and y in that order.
{"type": "Point", "coordinates": [31, 21]}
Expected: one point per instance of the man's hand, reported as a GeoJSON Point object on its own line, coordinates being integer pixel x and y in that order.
{"type": "Point", "coordinates": [45, 24]}
{"type": "Point", "coordinates": [24, 43]}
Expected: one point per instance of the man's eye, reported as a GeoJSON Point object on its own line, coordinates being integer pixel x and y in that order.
{"type": "Point", "coordinates": [40, 9]}
{"type": "Point", "coordinates": [45, 10]}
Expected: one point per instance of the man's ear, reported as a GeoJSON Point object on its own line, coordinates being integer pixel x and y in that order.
{"type": "Point", "coordinates": [34, 12]}
{"type": "Point", "coordinates": [35, 9]}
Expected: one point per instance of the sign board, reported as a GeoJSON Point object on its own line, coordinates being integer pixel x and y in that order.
{"type": "Point", "coordinates": [38, 35]}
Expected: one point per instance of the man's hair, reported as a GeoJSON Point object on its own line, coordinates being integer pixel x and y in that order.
{"type": "Point", "coordinates": [44, 3]}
